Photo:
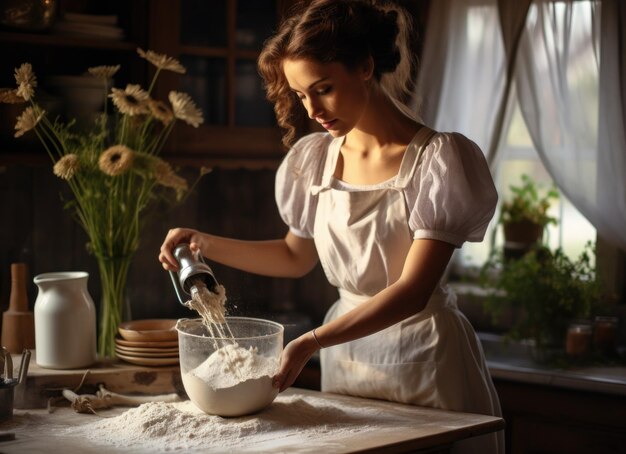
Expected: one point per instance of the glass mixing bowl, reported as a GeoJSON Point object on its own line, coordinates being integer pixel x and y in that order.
{"type": "Point", "coordinates": [230, 376]}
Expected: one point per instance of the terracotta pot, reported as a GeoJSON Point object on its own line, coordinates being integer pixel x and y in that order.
{"type": "Point", "coordinates": [523, 232]}
{"type": "Point", "coordinates": [520, 237]}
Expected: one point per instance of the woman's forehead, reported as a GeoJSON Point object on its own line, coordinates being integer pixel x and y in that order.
{"type": "Point", "coordinates": [302, 73]}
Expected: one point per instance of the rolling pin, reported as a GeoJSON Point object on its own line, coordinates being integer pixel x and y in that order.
{"type": "Point", "coordinates": [18, 323]}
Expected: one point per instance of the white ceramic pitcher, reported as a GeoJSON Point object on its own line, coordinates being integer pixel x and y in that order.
{"type": "Point", "coordinates": [65, 321]}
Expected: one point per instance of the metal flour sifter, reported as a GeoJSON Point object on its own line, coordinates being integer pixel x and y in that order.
{"type": "Point", "coordinates": [193, 274]}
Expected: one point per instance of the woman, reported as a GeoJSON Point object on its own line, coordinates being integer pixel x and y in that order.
{"type": "Point", "coordinates": [382, 201]}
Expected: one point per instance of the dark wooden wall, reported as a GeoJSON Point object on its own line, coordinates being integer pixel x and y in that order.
{"type": "Point", "coordinates": [37, 230]}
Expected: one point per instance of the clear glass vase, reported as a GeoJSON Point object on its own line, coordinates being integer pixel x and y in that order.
{"type": "Point", "coordinates": [114, 306]}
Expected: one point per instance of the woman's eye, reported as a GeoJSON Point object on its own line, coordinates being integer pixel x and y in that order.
{"type": "Point", "coordinates": [323, 91]}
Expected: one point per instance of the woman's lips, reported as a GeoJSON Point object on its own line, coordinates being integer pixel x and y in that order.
{"type": "Point", "coordinates": [328, 124]}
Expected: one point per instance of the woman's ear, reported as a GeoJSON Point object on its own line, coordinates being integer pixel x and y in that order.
{"type": "Point", "coordinates": [367, 68]}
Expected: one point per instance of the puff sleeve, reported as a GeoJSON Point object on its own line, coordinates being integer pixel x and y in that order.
{"type": "Point", "coordinates": [299, 170]}
{"type": "Point", "coordinates": [451, 196]}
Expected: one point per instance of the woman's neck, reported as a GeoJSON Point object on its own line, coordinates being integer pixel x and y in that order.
{"type": "Point", "coordinates": [383, 125]}
{"type": "Point", "coordinates": [372, 152]}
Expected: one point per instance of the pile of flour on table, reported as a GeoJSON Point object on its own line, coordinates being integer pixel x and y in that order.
{"type": "Point", "coordinates": [159, 426]}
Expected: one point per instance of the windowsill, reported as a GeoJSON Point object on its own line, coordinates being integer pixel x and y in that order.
{"type": "Point", "coordinates": [469, 301]}
{"type": "Point", "coordinates": [514, 361]}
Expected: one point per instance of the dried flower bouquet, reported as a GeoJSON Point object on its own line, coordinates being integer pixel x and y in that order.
{"type": "Point", "coordinates": [113, 170]}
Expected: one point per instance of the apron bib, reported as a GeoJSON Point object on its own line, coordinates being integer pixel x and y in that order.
{"type": "Point", "coordinates": [363, 237]}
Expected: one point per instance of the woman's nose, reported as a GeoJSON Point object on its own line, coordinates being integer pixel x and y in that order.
{"type": "Point", "coordinates": [313, 108]}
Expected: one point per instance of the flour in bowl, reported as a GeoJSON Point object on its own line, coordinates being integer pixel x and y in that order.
{"type": "Point", "coordinates": [232, 381]}
{"type": "Point", "coordinates": [233, 364]}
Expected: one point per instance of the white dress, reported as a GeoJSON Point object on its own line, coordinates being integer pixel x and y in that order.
{"type": "Point", "coordinates": [363, 233]}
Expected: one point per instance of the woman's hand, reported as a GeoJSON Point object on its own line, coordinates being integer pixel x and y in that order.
{"type": "Point", "coordinates": [295, 355]}
{"type": "Point", "coordinates": [173, 238]}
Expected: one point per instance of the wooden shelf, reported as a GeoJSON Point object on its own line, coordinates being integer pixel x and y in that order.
{"type": "Point", "coordinates": [220, 52]}
{"type": "Point", "coordinates": [227, 140]}
{"type": "Point", "coordinates": [51, 40]}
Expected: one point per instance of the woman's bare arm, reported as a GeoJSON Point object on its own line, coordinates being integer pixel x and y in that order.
{"type": "Point", "coordinates": [291, 256]}
{"type": "Point", "coordinates": [423, 268]}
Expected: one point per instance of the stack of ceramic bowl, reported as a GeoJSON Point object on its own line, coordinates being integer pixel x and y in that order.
{"type": "Point", "coordinates": [151, 342]}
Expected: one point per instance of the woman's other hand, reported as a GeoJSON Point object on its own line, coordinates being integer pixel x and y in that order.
{"type": "Point", "coordinates": [173, 238]}
{"type": "Point", "coordinates": [295, 355]}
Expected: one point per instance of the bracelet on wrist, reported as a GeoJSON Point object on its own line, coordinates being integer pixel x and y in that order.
{"type": "Point", "coordinates": [316, 339]}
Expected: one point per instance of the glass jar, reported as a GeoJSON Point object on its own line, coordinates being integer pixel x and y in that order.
{"type": "Point", "coordinates": [604, 333]}
{"type": "Point", "coordinates": [578, 340]}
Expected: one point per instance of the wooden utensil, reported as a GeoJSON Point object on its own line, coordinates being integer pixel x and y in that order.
{"type": "Point", "coordinates": [18, 323]}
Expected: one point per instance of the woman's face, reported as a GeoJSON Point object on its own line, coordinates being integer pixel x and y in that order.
{"type": "Point", "coordinates": [333, 95]}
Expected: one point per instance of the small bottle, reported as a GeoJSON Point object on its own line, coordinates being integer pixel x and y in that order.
{"type": "Point", "coordinates": [578, 339]}
{"type": "Point", "coordinates": [604, 333]}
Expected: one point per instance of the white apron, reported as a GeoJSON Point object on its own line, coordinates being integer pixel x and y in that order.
{"type": "Point", "coordinates": [433, 358]}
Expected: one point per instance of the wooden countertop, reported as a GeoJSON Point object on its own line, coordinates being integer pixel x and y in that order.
{"type": "Point", "coordinates": [390, 428]}
{"type": "Point", "coordinates": [118, 376]}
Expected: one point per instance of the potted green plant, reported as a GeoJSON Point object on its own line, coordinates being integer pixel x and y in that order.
{"type": "Point", "coordinates": [546, 290]}
{"type": "Point", "coordinates": [524, 216]}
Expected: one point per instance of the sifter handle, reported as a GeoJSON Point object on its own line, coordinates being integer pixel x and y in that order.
{"type": "Point", "coordinates": [177, 288]}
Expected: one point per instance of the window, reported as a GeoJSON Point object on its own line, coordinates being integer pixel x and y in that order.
{"type": "Point", "coordinates": [518, 155]}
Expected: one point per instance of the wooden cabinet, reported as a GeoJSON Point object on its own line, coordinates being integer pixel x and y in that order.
{"type": "Point", "coordinates": [546, 419]}
{"type": "Point", "coordinates": [217, 41]}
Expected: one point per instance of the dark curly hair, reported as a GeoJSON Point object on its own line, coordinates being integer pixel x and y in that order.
{"type": "Point", "coordinates": [344, 31]}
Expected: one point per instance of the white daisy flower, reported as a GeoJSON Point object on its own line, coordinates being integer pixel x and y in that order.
{"type": "Point", "coordinates": [28, 120]}
{"type": "Point", "coordinates": [67, 166]}
{"type": "Point", "coordinates": [160, 111]}
{"type": "Point", "coordinates": [162, 61]}
{"type": "Point", "coordinates": [165, 176]}
{"type": "Point", "coordinates": [26, 81]}
{"type": "Point", "coordinates": [132, 101]}
{"type": "Point", "coordinates": [10, 96]}
{"type": "Point", "coordinates": [185, 109]}
{"type": "Point", "coordinates": [116, 160]}
{"type": "Point", "coordinates": [103, 72]}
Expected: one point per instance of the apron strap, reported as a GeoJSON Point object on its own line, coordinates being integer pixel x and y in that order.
{"type": "Point", "coordinates": [329, 166]}
{"type": "Point", "coordinates": [413, 153]}
{"type": "Point", "coordinates": [407, 168]}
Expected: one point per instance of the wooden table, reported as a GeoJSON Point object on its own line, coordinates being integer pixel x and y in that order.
{"type": "Point", "coordinates": [392, 428]}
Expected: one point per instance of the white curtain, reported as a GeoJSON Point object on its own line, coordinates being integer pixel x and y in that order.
{"type": "Point", "coordinates": [463, 69]}
{"type": "Point", "coordinates": [566, 65]}
{"type": "Point", "coordinates": [570, 80]}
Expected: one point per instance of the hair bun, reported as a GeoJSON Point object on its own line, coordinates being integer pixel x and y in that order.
{"type": "Point", "coordinates": [383, 46]}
